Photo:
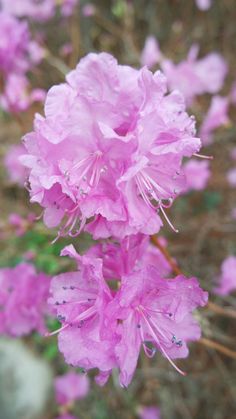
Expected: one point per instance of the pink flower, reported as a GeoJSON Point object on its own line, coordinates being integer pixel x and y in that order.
{"type": "Point", "coordinates": [149, 412]}
{"type": "Point", "coordinates": [151, 53]}
{"type": "Point", "coordinates": [216, 116]}
{"type": "Point", "coordinates": [156, 311]}
{"type": "Point", "coordinates": [17, 96]}
{"type": "Point", "coordinates": [20, 224]}
{"type": "Point", "coordinates": [233, 153]}
{"type": "Point", "coordinates": [203, 4]}
{"type": "Point", "coordinates": [79, 299]}
{"type": "Point", "coordinates": [17, 173]}
{"type": "Point", "coordinates": [68, 6]}
{"type": "Point", "coordinates": [88, 10]}
{"type": "Point", "coordinates": [121, 258]}
{"type": "Point", "coordinates": [14, 45]}
{"type": "Point", "coordinates": [233, 213]}
{"type": "Point", "coordinates": [227, 280]}
{"type": "Point", "coordinates": [197, 175]}
{"type": "Point", "coordinates": [231, 177]}
{"type": "Point", "coordinates": [71, 387]}
{"type": "Point", "coordinates": [195, 77]}
{"type": "Point", "coordinates": [109, 150]}
{"type": "Point", "coordinates": [23, 297]}
{"type": "Point", "coordinates": [67, 416]}
{"type": "Point", "coordinates": [37, 10]}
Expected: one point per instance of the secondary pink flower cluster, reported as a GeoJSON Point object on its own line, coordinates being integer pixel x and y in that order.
{"type": "Point", "coordinates": [109, 150]}
{"type": "Point", "coordinates": [70, 387]}
{"type": "Point", "coordinates": [194, 76]}
{"type": "Point", "coordinates": [41, 11]}
{"type": "Point", "coordinates": [191, 76]}
{"type": "Point", "coordinates": [18, 54]}
{"type": "Point", "coordinates": [16, 171]}
{"type": "Point", "coordinates": [23, 300]}
{"type": "Point", "coordinates": [118, 303]}
{"type": "Point", "coordinates": [227, 279]}
{"type": "Point", "coordinates": [197, 175]}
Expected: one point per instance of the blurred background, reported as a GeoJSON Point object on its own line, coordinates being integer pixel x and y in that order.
{"type": "Point", "coordinates": [205, 216]}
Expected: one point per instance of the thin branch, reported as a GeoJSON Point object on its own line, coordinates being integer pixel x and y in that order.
{"type": "Point", "coordinates": [218, 347]}
{"type": "Point", "coordinates": [165, 253]}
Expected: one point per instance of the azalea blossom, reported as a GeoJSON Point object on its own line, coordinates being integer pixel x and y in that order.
{"type": "Point", "coordinates": [149, 412]}
{"type": "Point", "coordinates": [197, 174]}
{"type": "Point", "coordinates": [23, 300]}
{"type": "Point", "coordinates": [71, 387]}
{"type": "Point", "coordinates": [18, 96]}
{"type": "Point", "coordinates": [203, 4]}
{"type": "Point", "coordinates": [37, 10]}
{"type": "Point", "coordinates": [227, 279]}
{"type": "Point", "coordinates": [105, 329]}
{"type": "Point", "coordinates": [154, 311]}
{"type": "Point", "coordinates": [195, 76]}
{"type": "Point", "coordinates": [151, 53]}
{"type": "Point", "coordinates": [109, 150]}
{"type": "Point", "coordinates": [16, 171]}
{"type": "Point", "coordinates": [122, 257]}
{"type": "Point", "coordinates": [79, 299]}
{"type": "Point", "coordinates": [217, 115]}
{"type": "Point", "coordinates": [231, 177]}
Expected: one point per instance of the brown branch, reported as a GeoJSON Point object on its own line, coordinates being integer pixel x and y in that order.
{"type": "Point", "coordinates": [227, 312]}
{"type": "Point", "coordinates": [218, 347]}
{"type": "Point", "coordinates": [177, 271]}
{"type": "Point", "coordinates": [164, 251]}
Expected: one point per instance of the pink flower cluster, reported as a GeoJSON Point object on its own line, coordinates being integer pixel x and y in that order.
{"type": "Point", "coordinates": [194, 76]}
{"type": "Point", "coordinates": [70, 387]}
{"type": "Point", "coordinates": [41, 11]}
{"type": "Point", "coordinates": [109, 150]}
{"type": "Point", "coordinates": [118, 303]}
{"type": "Point", "coordinates": [23, 300]}
{"type": "Point", "coordinates": [18, 54]}
{"type": "Point", "coordinates": [16, 171]}
{"type": "Point", "coordinates": [227, 279]}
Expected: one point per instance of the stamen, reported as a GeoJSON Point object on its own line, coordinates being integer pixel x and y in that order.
{"type": "Point", "coordinates": [168, 221]}
{"type": "Point", "coordinates": [156, 339]}
{"type": "Point", "coordinates": [203, 156]}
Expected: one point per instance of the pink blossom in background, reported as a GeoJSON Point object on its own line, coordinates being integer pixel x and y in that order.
{"type": "Point", "coordinates": [233, 213]}
{"type": "Point", "coordinates": [149, 412]}
{"type": "Point", "coordinates": [109, 150]}
{"type": "Point", "coordinates": [17, 95]}
{"type": "Point", "coordinates": [37, 10]}
{"type": "Point", "coordinates": [71, 387]}
{"type": "Point", "coordinates": [216, 116]}
{"type": "Point", "coordinates": [23, 300]}
{"type": "Point", "coordinates": [194, 76]}
{"type": "Point", "coordinates": [88, 10]}
{"type": "Point", "coordinates": [68, 6]}
{"type": "Point", "coordinates": [233, 93]}
{"type": "Point", "coordinates": [227, 279]}
{"type": "Point", "coordinates": [231, 177]}
{"type": "Point", "coordinates": [15, 45]}
{"type": "Point", "coordinates": [17, 173]}
{"type": "Point", "coordinates": [20, 224]}
{"type": "Point", "coordinates": [151, 53]}
{"type": "Point", "coordinates": [203, 4]}
{"type": "Point", "coordinates": [67, 416]}
{"type": "Point", "coordinates": [197, 174]}
{"type": "Point", "coordinates": [106, 329]}
{"type": "Point", "coordinates": [233, 153]}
